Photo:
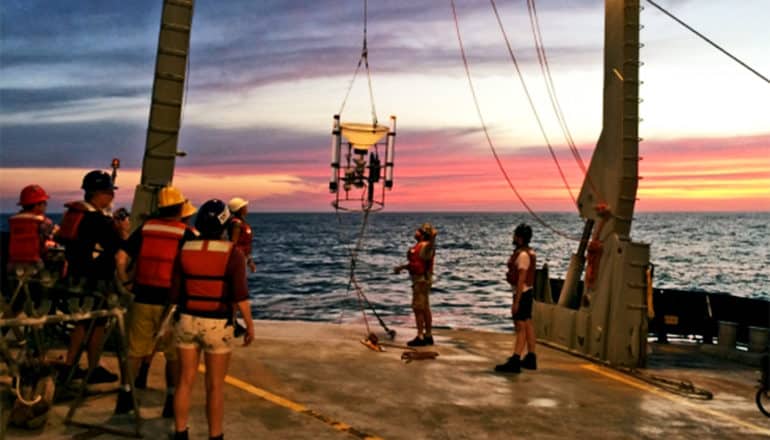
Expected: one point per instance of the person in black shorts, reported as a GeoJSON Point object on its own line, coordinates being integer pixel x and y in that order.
{"type": "Point", "coordinates": [521, 276]}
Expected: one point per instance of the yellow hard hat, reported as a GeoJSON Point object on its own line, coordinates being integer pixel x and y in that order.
{"type": "Point", "coordinates": [188, 209]}
{"type": "Point", "coordinates": [170, 196]}
{"type": "Point", "coordinates": [236, 203]}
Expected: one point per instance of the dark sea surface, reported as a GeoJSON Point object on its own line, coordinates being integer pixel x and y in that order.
{"type": "Point", "coordinates": [303, 261]}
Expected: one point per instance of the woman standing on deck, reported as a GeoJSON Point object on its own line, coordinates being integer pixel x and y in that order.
{"type": "Point", "coordinates": [209, 281]}
{"type": "Point", "coordinates": [239, 229]}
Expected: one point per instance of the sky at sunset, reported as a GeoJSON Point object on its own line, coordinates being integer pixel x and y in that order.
{"type": "Point", "coordinates": [267, 76]}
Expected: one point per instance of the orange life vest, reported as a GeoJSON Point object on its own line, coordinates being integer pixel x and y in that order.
{"type": "Point", "coordinates": [24, 242]}
{"type": "Point", "coordinates": [160, 245]}
{"type": "Point", "coordinates": [245, 237]}
{"type": "Point", "coordinates": [418, 266]}
{"type": "Point", "coordinates": [68, 229]}
{"type": "Point", "coordinates": [204, 263]}
{"type": "Point", "coordinates": [513, 272]}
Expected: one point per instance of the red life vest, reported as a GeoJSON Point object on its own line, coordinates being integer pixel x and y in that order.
{"type": "Point", "coordinates": [204, 263]}
{"type": "Point", "coordinates": [418, 266]}
{"type": "Point", "coordinates": [245, 237]}
{"type": "Point", "coordinates": [68, 229]}
{"type": "Point", "coordinates": [160, 245]}
{"type": "Point", "coordinates": [24, 242]}
{"type": "Point", "coordinates": [513, 271]}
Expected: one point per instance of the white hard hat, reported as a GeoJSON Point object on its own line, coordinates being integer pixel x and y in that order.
{"type": "Point", "coordinates": [236, 203]}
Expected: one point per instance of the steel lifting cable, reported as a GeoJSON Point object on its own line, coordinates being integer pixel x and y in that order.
{"type": "Point", "coordinates": [551, 88]}
{"type": "Point", "coordinates": [353, 281]}
{"type": "Point", "coordinates": [364, 59]}
{"type": "Point", "coordinates": [707, 40]}
{"type": "Point", "coordinates": [531, 103]}
{"type": "Point", "coordinates": [489, 139]}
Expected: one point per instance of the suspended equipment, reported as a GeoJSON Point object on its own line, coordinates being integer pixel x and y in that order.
{"type": "Point", "coordinates": [361, 168]}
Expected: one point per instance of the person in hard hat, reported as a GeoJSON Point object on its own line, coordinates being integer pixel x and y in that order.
{"type": "Point", "coordinates": [240, 231]}
{"type": "Point", "coordinates": [209, 282]}
{"type": "Point", "coordinates": [420, 258]}
{"type": "Point", "coordinates": [153, 249]}
{"type": "Point", "coordinates": [91, 239]}
{"type": "Point", "coordinates": [30, 231]}
{"type": "Point", "coordinates": [521, 276]}
{"type": "Point", "coordinates": [188, 211]}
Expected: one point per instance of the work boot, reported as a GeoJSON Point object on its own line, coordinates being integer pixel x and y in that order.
{"type": "Point", "coordinates": [181, 435]}
{"type": "Point", "coordinates": [529, 362]}
{"type": "Point", "coordinates": [428, 339]}
{"type": "Point", "coordinates": [125, 403]}
{"type": "Point", "coordinates": [416, 342]}
{"type": "Point", "coordinates": [168, 407]}
{"type": "Point", "coordinates": [512, 365]}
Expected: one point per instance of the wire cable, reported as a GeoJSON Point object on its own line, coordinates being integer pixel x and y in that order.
{"type": "Point", "coordinates": [489, 139]}
{"type": "Point", "coordinates": [707, 40]}
{"type": "Point", "coordinates": [551, 88]}
{"type": "Point", "coordinates": [531, 102]}
{"type": "Point", "coordinates": [364, 59]}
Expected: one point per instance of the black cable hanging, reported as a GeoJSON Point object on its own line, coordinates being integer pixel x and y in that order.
{"type": "Point", "coordinates": [489, 139]}
{"type": "Point", "coordinates": [707, 40]}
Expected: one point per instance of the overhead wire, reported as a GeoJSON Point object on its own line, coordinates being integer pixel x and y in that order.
{"type": "Point", "coordinates": [489, 138]}
{"type": "Point", "coordinates": [551, 89]}
{"type": "Point", "coordinates": [363, 59]}
{"type": "Point", "coordinates": [531, 102]}
{"type": "Point", "coordinates": [709, 41]}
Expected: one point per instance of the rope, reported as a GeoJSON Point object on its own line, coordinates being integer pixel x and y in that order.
{"type": "Point", "coordinates": [707, 40]}
{"type": "Point", "coordinates": [489, 139]}
{"type": "Point", "coordinates": [531, 102]}
{"type": "Point", "coordinates": [551, 88]}
{"type": "Point", "coordinates": [364, 59]}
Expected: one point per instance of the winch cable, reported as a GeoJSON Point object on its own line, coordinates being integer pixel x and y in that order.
{"type": "Point", "coordinates": [364, 59]}
{"type": "Point", "coordinates": [353, 281]}
{"type": "Point", "coordinates": [531, 103]}
{"type": "Point", "coordinates": [551, 89]}
{"type": "Point", "coordinates": [709, 41]}
{"type": "Point", "coordinates": [489, 139]}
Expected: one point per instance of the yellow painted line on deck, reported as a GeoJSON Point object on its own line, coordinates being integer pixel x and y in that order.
{"type": "Point", "coordinates": [294, 406]}
{"type": "Point", "coordinates": [649, 388]}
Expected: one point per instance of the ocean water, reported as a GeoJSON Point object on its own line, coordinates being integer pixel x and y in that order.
{"type": "Point", "coordinates": [303, 261]}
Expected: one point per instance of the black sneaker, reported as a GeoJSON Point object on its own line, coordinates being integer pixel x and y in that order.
{"type": "Point", "coordinates": [428, 339]}
{"type": "Point", "coordinates": [168, 407]}
{"type": "Point", "coordinates": [416, 342]}
{"type": "Point", "coordinates": [512, 365]}
{"type": "Point", "coordinates": [125, 402]}
{"type": "Point", "coordinates": [102, 375]}
{"type": "Point", "coordinates": [529, 362]}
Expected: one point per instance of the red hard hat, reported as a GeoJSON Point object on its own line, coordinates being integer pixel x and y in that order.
{"type": "Point", "coordinates": [32, 195]}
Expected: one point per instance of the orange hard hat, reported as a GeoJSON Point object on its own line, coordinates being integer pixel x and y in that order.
{"type": "Point", "coordinates": [32, 195]}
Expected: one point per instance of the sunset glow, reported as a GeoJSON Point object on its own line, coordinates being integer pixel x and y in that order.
{"type": "Point", "coordinates": [265, 80]}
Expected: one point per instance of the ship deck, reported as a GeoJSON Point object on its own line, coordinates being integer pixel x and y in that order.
{"type": "Point", "coordinates": [317, 381]}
